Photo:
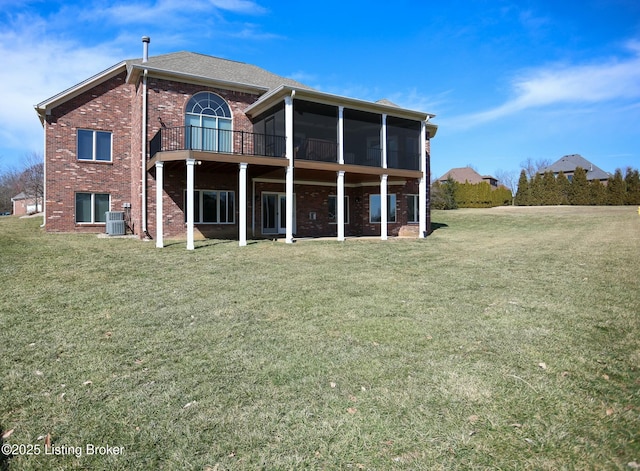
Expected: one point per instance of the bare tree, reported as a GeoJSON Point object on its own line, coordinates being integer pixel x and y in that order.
{"type": "Point", "coordinates": [532, 167]}
{"type": "Point", "coordinates": [508, 178]}
{"type": "Point", "coordinates": [33, 177]}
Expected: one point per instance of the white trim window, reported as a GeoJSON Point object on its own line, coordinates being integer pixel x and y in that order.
{"type": "Point", "coordinates": [94, 146]}
{"type": "Point", "coordinates": [209, 123]}
{"type": "Point", "coordinates": [375, 210]}
{"type": "Point", "coordinates": [213, 207]}
{"type": "Point", "coordinates": [413, 209]}
{"type": "Point", "coordinates": [333, 209]}
{"type": "Point", "coordinates": [91, 208]}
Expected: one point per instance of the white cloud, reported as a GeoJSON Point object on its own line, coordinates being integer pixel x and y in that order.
{"type": "Point", "coordinates": [34, 70]}
{"type": "Point", "coordinates": [606, 80]}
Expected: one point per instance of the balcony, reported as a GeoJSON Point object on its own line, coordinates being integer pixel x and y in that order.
{"type": "Point", "coordinates": [223, 141]}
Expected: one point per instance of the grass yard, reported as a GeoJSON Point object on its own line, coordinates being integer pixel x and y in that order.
{"type": "Point", "coordinates": [508, 339]}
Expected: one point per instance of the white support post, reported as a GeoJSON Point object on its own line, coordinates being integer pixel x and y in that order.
{"type": "Point", "coordinates": [341, 134]}
{"type": "Point", "coordinates": [190, 201]}
{"type": "Point", "coordinates": [159, 215]}
{"type": "Point", "coordinates": [288, 125]}
{"type": "Point", "coordinates": [384, 210]}
{"type": "Point", "coordinates": [422, 197]}
{"type": "Point", "coordinates": [340, 206]}
{"type": "Point", "coordinates": [383, 141]}
{"type": "Point", "coordinates": [242, 202]}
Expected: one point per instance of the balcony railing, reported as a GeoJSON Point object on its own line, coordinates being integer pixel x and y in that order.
{"type": "Point", "coordinates": [223, 141]}
{"type": "Point", "coordinates": [226, 141]}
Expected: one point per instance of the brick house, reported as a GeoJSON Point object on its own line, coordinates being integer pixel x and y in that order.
{"type": "Point", "coordinates": [468, 175]}
{"type": "Point", "coordinates": [24, 204]}
{"type": "Point", "coordinates": [191, 146]}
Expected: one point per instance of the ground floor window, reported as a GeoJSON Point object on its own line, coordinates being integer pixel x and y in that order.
{"type": "Point", "coordinates": [91, 207]}
{"type": "Point", "coordinates": [375, 209]}
{"type": "Point", "coordinates": [213, 207]}
{"type": "Point", "coordinates": [413, 209]}
{"type": "Point", "coordinates": [333, 209]}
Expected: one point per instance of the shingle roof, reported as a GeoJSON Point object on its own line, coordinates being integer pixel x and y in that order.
{"type": "Point", "coordinates": [463, 174]}
{"type": "Point", "coordinates": [215, 68]}
{"type": "Point", "coordinates": [569, 163]}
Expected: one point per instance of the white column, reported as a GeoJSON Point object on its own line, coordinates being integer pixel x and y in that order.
{"type": "Point", "coordinates": [159, 215]}
{"type": "Point", "coordinates": [422, 197]}
{"type": "Point", "coordinates": [190, 201]}
{"type": "Point", "coordinates": [383, 207]}
{"type": "Point", "coordinates": [341, 134]}
{"type": "Point", "coordinates": [242, 202]}
{"type": "Point", "coordinates": [288, 125]}
{"type": "Point", "coordinates": [383, 141]}
{"type": "Point", "coordinates": [340, 206]}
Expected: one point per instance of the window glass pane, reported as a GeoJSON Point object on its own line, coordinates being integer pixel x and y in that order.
{"type": "Point", "coordinates": [375, 214]}
{"type": "Point", "coordinates": [231, 206]}
{"type": "Point", "coordinates": [83, 207]}
{"type": "Point", "coordinates": [332, 208]}
{"type": "Point", "coordinates": [209, 206]}
{"type": "Point", "coordinates": [85, 145]}
{"type": "Point", "coordinates": [103, 145]}
{"type": "Point", "coordinates": [101, 207]}
{"type": "Point", "coordinates": [223, 207]}
{"type": "Point", "coordinates": [391, 208]}
{"type": "Point", "coordinates": [412, 208]}
{"type": "Point", "coordinates": [196, 207]}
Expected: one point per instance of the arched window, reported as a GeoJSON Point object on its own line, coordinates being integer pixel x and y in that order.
{"type": "Point", "coordinates": [209, 124]}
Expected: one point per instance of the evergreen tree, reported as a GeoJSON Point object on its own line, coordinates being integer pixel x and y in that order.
{"type": "Point", "coordinates": [632, 180]}
{"type": "Point", "coordinates": [522, 195]}
{"type": "Point", "coordinates": [616, 189]}
{"type": "Point", "coordinates": [449, 190]}
{"type": "Point", "coordinates": [597, 193]}
{"type": "Point", "coordinates": [579, 191]}
{"type": "Point", "coordinates": [563, 188]}
{"type": "Point", "coordinates": [550, 192]}
{"type": "Point", "coordinates": [537, 190]}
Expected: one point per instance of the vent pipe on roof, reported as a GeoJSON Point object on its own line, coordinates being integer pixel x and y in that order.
{"type": "Point", "coordinates": [145, 48]}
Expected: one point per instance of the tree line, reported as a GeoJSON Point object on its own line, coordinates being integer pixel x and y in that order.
{"type": "Point", "coordinates": [452, 195]}
{"type": "Point", "coordinates": [548, 189]}
{"type": "Point", "coordinates": [29, 179]}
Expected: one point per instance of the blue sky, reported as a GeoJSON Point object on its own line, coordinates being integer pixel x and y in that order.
{"type": "Point", "coordinates": [508, 80]}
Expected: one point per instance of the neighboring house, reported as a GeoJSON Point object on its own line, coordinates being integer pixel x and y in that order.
{"type": "Point", "coordinates": [25, 204]}
{"type": "Point", "coordinates": [197, 146]}
{"type": "Point", "coordinates": [468, 175]}
{"type": "Point", "coordinates": [568, 165]}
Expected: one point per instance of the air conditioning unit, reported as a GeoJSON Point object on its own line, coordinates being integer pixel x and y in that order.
{"type": "Point", "coordinates": [115, 223]}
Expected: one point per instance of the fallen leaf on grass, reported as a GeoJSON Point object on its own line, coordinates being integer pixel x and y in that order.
{"type": "Point", "coordinates": [516, 425]}
{"type": "Point", "coordinates": [107, 334]}
{"type": "Point", "coordinates": [473, 419]}
{"type": "Point", "coordinates": [188, 404]}
{"type": "Point", "coordinates": [332, 384]}
{"type": "Point", "coordinates": [564, 374]}
{"type": "Point", "coordinates": [352, 410]}
{"type": "Point", "coordinates": [7, 434]}
{"type": "Point", "coordinates": [353, 399]}
{"type": "Point", "coordinates": [542, 365]}
{"type": "Point", "coordinates": [605, 377]}
{"type": "Point", "coordinates": [87, 383]}
{"type": "Point", "coordinates": [633, 465]}
{"type": "Point", "coordinates": [610, 411]}
{"type": "Point", "coordinates": [529, 441]}
{"type": "Point", "coordinates": [47, 440]}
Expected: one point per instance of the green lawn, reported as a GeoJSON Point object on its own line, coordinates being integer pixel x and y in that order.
{"type": "Point", "coordinates": [508, 339]}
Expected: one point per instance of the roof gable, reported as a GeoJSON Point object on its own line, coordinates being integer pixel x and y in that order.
{"type": "Point", "coordinates": [569, 163]}
{"type": "Point", "coordinates": [463, 174]}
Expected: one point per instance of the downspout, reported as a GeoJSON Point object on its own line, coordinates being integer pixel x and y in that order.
{"type": "Point", "coordinates": [145, 57]}
{"type": "Point", "coordinates": [44, 172]}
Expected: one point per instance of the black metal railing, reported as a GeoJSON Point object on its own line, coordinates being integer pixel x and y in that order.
{"type": "Point", "coordinates": [223, 141]}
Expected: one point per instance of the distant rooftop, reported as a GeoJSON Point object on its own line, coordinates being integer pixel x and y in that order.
{"type": "Point", "coordinates": [569, 163]}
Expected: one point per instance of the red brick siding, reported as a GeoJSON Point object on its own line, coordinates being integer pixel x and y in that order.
{"type": "Point", "coordinates": [106, 107]}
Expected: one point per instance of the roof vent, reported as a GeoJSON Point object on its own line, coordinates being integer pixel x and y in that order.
{"type": "Point", "coordinates": [145, 48]}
